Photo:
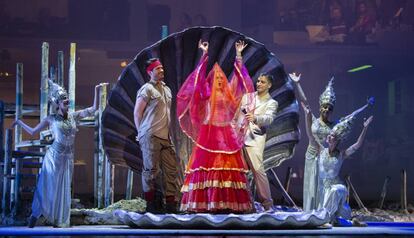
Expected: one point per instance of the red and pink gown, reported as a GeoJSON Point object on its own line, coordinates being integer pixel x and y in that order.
{"type": "Point", "coordinates": [209, 113]}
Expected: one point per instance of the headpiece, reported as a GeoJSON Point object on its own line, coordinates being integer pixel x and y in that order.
{"type": "Point", "coordinates": [328, 96]}
{"type": "Point", "coordinates": [56, 92]}
{"type": "Point", "coordinates": [152, 66]}
{"type": "Point", "coordinates": [342, 129]}
{"type": "Point", "coordinates": [344, 126]}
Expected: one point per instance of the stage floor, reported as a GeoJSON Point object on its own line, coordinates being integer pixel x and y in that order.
{"type": "Point", "coordinates": [374, 229]}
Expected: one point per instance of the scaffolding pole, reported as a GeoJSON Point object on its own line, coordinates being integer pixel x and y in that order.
{"type": "Point", "coordinates": [1, 130]}
{"type": "Point", "coordinates": [60, 69]}
{"type": "Point", "coordinates": [109, 168]}
{"type": "Point", "coordinates": [18, 129]}
{"type": "Point", "coordinates": [5, 202]}
{"type": "Point", "coordinates": [97, 165]}
{"type": "Point", "coordinates": [130, 182]}
{"type": "Point", "coordinates": [72, 77]}
{"type": "Point", "coordinates": [44, 86]}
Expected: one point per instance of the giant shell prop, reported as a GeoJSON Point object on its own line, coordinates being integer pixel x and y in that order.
{"type": "Point", "coordinates": [179, 55]}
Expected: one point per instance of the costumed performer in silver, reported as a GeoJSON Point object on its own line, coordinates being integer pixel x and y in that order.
{"type": "Point", "coordinates": [320, 128]}
{"type": "Point", "coordinates": [331, 190]}
{"type": "Point", "coordinates": [52, 197]}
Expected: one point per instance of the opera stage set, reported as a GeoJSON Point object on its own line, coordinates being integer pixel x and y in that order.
{"type": "Point", "coordinates": [309, 134]}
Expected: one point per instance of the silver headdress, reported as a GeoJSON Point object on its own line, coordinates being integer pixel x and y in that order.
{"type": "Point", "coordinates": [56, 92]}
{"type": "Point", "coordinates": [342, 129]}
{"type": "Point", "coordinates": [344, 126]}
{"type": "Point", "coordinates": [328, 96]}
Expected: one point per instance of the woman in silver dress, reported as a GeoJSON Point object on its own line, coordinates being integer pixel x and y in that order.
{"type": "Point", "coordinates": [320, 128]}
{"type": "Point", "coordinates": [52, 197]}
{"type": "Point", "coordinates": [331, 190]}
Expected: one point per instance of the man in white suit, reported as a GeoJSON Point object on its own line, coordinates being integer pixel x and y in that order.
{"type": "Point", "coordinates": [260, 115]}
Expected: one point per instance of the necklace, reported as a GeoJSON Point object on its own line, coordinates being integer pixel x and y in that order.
{"type": "Point", "coordinates": [65, 124]}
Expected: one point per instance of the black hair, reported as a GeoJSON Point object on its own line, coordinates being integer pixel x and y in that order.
{"type": "Point", "coordinates": [269, 77]}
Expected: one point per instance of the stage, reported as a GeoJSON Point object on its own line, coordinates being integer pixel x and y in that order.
{"type": "Point", "coordinates": [373, 229]}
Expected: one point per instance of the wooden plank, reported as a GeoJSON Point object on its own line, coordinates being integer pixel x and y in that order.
{"type": "Point", "coordinates": [60, 69]}
{"type": "Point", "coordinates": [17, 129]}
{"type": "Point", "coordinates": [284, 193]}
{"type": "Point", "coordinates": [72, 77]}
{"type": "Point", "coordinates": [44, 86]}
{"type": "Point", "coordinates": [5, 202]}
{"type": "Point", "coordinates": [404, 191]}
{"type": "Point", "coordinates": [356, 196]}
{"type": "Point", "coordinates": [130, 183]}
{"type": "Point", "coordinates": [108, 176]}
{"type": "Point", "coordinates": [383, 192]}
{"type": "Point", "coordinates": [32, 143]}
{"type": "Point", "coordinates": [1, 132]}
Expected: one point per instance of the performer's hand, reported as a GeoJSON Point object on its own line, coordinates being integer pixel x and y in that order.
{"type": "Point", "coordinates": [295, 78]}
{"type": "Point", "coordinates": [368, 121]}
{"type": "Point", "coordinates": [250, 117]}
{"type": "Point", "coordinates": [203, 45]}
{"type": "Point", "coordinates": [240, 45]}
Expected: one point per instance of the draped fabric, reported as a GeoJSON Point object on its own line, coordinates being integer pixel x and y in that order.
{"type": "Point", "coordinates": [209, 113]}
{"type": "Point", "coordinates": [205, 104]}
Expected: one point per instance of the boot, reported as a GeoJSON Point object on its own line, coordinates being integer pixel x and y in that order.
{"type": "Point", "coordinates": [149, 198]}
{"type": "Point", "coordinates": [151, 207]}
{"type": "Point", "coordinates": [170, 205]}
{"type": "Point", "coordinates": [159, 202]}
{"type": "Point", "coordinates": [32, 221]}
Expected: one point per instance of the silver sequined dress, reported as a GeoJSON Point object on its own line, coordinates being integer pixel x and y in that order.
{"type": "Point", "coordinates": [320, 131]}
{"type": "Point", "coordinates": [52, 197]}
{"type": "Point", "coordinates": [331, 190]}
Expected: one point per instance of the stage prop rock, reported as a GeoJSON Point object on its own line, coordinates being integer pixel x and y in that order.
{"type": "Point", "coordinates": [105, 216]}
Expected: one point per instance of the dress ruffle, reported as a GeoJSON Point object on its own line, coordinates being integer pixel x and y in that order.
{"type": "Point", "coordinates": [216, 182]}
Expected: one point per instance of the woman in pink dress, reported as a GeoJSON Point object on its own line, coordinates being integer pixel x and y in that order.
{"type": "Point", "coordinates": [209, 113]}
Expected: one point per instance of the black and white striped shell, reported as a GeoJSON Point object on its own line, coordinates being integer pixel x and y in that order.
{"type": "Point", "coordinates": [179, 55]}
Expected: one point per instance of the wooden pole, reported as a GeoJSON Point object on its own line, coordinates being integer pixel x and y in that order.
{"type": "Point", "coordinates": [348, 196]}
{"type": "Point", "coordinates": [5, 202]}
{"type": "Point", "coordinates": [284, 193]}
{"type": "Point", "coordinates": [1, 131]}
{"type": "Point", "coordinates": [44, 86]}
{"type": "Point", "coordinates": [108, 182]}
{"type": "Point", "coordinates": [383, 192]}
{"type": "Point", "coordinates": [53, 77]}
{"type": "Point", "coordinates": [287, 179]}
{"type": "Point", "coordinates": [358, 200]}
{"type": "Point", "coordinates": [19, 103]}
{"type": "Point", "coordinates": [52, 74]}
{"type": "Point", "coordinates": [18, 129]}
{"type": "Point", "coordinates": [130, 182]}
{"type": "Point", "coordinates": [109, 176]}
{"type": "Point", "coordinates": [404, 191]}
{"type": "Point", "coordinates": [2, 141]}
{"type": "Point", "coordinates": [60, 69]}
{"type": "Point", "coordinates": [72, 77]}
{"type": "Point", "coordinates": [17, 178]}
{"type": "Point", "coordinates": [164, 31]}
{"type": "Point", "coordinates": [97, 175]}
